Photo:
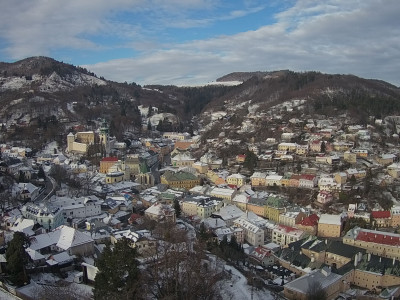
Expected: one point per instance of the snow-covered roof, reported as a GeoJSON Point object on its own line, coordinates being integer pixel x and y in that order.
{"type": "Point", "coordinates": [64, 237]}
{"type": "Point", "coordinates": [330, 219]}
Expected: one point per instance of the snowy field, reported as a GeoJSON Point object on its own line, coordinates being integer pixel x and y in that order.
{"type": "Point", "coordinates": [4, 295]}
{"type": "Point", "coordinates": [236, 288]}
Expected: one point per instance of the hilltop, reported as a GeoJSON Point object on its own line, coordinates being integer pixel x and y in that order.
{"type": "Point", "coordinates": [41, 90]}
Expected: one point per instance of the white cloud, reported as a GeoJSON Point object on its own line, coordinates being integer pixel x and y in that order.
{"type": "Point", "coordinates": [357, 37]}
{"type": "Point", "coordinates": [334, 36]}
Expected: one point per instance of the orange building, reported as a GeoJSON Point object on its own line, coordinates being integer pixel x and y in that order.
{"type": "Point", "coordinates": [106, 163]}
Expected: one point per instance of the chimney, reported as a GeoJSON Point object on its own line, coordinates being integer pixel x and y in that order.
{"type": "Point", "coordinates": [380, 259]}
{"type": "Point", "coordinates": [355, 261]}
{"type": "Point", "coordinates": [394, 261]}
{"type": "Point", "coordinates": [369, 256]}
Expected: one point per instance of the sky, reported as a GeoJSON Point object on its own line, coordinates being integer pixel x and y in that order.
{"type": "Point", "coordinates": [190, 42]}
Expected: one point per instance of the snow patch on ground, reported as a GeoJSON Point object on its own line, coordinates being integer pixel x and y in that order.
{"type": "Point", "coordinates": [237, 288]}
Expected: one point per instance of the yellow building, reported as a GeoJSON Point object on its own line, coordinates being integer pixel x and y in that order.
{"type": "Point", "coordinates": [114, 177]}
{"type": "Point", "coordinates": [106, 163]}
{"type": "Point", "coordinates": [375, 272]}
{"type": "Point", "coordinates": [180, 179]}
{"type": "Point", "coordinates": [330, 225]}
{"type": "Point", "coordinates": [256, 206]}
{"type": "Point", "coordinates": [273, 208]}
{"type": "Point", "coordinates": [287, 147]}
{"type": "Point", "coordinates": [341, 177]}
{"type": "Point", "coordinates": [236, 179]}
{"type": "Point", "coordinates": [200, 167]}
{"type": "Point", "coordinates": [189, 208]}
{"type": "Point", "coordinates": [240, 201]}
{"type": "Point", "coordinates": [258, 179]}
{"type": "Point", "coordinates": [380, 243]}
{"type": "Point", "coordinates": [394, 170]}
{"type": "Point", "coordinates": [330, 282]}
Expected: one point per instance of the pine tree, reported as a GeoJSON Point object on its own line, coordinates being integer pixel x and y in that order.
{"type": "Point", "coordinates": [41, 173]}
{"type": "Point", "coordinates": [177, 208]}
{"type": "Point", "coordinates": [118, 273]}
{"type": "Point", "coordinates": [17, 258]}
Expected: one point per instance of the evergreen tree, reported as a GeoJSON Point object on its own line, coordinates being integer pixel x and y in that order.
{"type": "Point", "coordinates": [17, 258]}
{"type": "Point", "coordinates": [250, 161]}
{"type": "Point", "coordinates": [118, 273]}
{"type": "Point", "coordinates": [323, 147]}
{"type": "Point", "coordinates": [41, 173]}
{"type": "Point", "coordinates": [149, 126]}
{"type": "Point", "coordinates": [177, 208]}
{"type": "Point", "coordinates": [22, 177]}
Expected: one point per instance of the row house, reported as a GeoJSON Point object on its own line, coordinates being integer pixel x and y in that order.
{"type": "Point", "coordinates": [302, 149]}
{"type": "Point", "coordinates": [180, 179]}
{"type": "Point", "coordinates": [381, 218]}
{"type": "Point", "coordinates": [258, 179]}
{"type": "Point", "coordinates": [253, 234]}
{"type": "Point", "coordinates": [308, 181]}
{"type": "Point", "coordinates": [291, 218]}
{"type": "Point", "coordinates": [315, 145]}
{"type": "Point", "coordinates": [228, 232]}
{"type": "Point", "coordinates": [274, 207]}
{"type": "Point", "coordinates": [256, 206]}
{"type": "Point", "coordinates": [360, 152]}
{"type": "Point", "coordinates": [385, 244]}
{"type": "Point", "coordinates": [309, 224]}
{"type": "Point", "coordinates": [350, 157]}
{"type": "Point", "coordinates": [395, 213]}
{"type": "Point", "coordinates": [326, 132]}
{"type": "Point", "coordinates": [342, 146]}
{"type": "Point", "coordinates": [236, 179]}
{"type": "Point", "coordinates": [328, 184]}
{"type": "Point", "coordinates": [273, 180]}
{"type": "Point", "coordinates": [106, 163]}
{"type": "Point", "coordinates": [291, 147]}
{"type": "Point", "coordinates": [285, 179]}
{"type": "Point", "coordinates": [330, 225]}
{"type": "Point", "coordinates": [240, 200]}
{"type": "Point", "coordinates": [223, 193]}
{"type": "Point", "coordinates": [200, 167]}
{"type": "Point", "coordinates": [284, 235]}
{"type": "Point", "coordinates": [386, 159]}
{"type": "Point", "coordinates": [294, 180]}
{"type": "Point", "coordinates": [182, 160]}
{"type": "Point", "coordinates": [327, 159]}
{"type": "Point", "coordinates": [358, 174]}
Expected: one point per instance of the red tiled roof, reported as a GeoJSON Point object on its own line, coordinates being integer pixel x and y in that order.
{"type": "Point", "coordinates": [307, 176]}
{"type": "Point", "coordinates": [311, 220]}
{"type": "Point", "coordinates": [110, 159]}
{"type": "Point", "coordinates": [378, 238]}
{"type": "Point", "coordinates": [380, 214]}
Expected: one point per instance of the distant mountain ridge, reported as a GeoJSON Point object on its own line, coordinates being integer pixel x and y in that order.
{"type": "Point", "coordinates": [37, 88]}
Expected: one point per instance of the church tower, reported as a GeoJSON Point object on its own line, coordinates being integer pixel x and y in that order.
{"type": "Point", "coordinates": [105, 136]}
{"type": "Point", "coordinates": [70, 142]}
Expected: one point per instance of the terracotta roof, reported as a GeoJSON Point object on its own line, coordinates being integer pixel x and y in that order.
{"type": "Point", "coordinates": [379, 238]}
{"type": "Point", "coordinates": [380, 214]}
{"type": "Point", "coordinates": [110, 159]}
{"type": "Point", "coordinates": [307, 176]}
{"type": "Point", "coordinates": [311, 220]}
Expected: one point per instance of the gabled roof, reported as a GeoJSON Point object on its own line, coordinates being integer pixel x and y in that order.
{"type": "Point", "coordinates": [110, 159]}
{"type": "Point", "coordinates": [385, 214]}
{"type": "Point", "coordinates": [64, 237]}
{"type": "Point", "coordinates": [311, 220]}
